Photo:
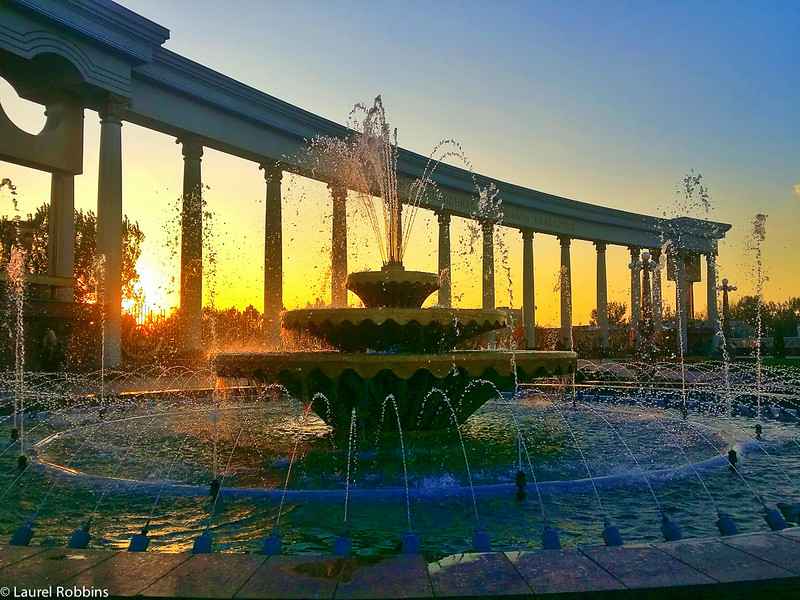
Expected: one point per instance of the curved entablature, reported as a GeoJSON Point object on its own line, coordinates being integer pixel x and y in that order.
{"type": "Point", "coordinates": [176, 95]}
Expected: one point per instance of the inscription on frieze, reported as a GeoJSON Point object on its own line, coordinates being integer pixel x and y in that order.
{"type": "Point", "coordinates": [460, 203]}
{"type": "Point", "coordinates": [553, 223]}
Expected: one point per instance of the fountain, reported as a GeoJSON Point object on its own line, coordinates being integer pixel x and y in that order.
{"type": "Point", "coordinates": [417, 445]}
{"type": "Point", "coordinates": [392, 346]}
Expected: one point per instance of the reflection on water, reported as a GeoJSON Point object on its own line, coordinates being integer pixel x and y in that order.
{"type": "Point", "coordinates": [256, 436]}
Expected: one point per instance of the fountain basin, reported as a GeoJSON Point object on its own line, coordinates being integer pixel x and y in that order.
{"type": "Point", "coordinates": [337, 383]}
{"type": "Point", "coordinates": [409, 330]}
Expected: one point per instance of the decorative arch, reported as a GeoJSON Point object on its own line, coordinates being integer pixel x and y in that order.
{"type": "Point", "coordinates": [69, 61]}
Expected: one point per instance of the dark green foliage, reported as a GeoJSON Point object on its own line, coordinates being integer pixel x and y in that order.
{"type": "Point", "coordinates": [86, 252]}
{"type": "Point", "coordinates": [616, 314]}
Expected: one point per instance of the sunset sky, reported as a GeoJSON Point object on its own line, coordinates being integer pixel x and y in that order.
{"type": "Point", "coordinates": [610, 103]}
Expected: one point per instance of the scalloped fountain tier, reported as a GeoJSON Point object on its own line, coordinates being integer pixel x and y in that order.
{"type": "Point", "coordinates": [394, 348]}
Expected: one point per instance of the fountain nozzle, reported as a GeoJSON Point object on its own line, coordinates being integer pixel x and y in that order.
{"type": "Point", "coordinates": [272, 545]}
{"type": "Point", "coordinates": [481, 541]}
{"type": "Point", "coordinates": [550, 539]}
{"type": "Point", "coordinates": [410, 543]}
{"type": "Point", "coordinates": [342, 546]}
{"type": "Point", "coordinates": [22, 535]}
{"type": "Point", "coordinates": [520, 482]}
{"type": "Point", "coordinates": [202, 544]}
{"type": "Point", "coordinates": [140, 541]}
{"type": "Point", "coordinates": [670, 529]}
{"type": "Point", "coordinates": [774, 519]}
{"type": "Point", "coordinates": [80, 537]}
{"type": "Point", "coordinates": [611, 534]}
{"type": "Point", "coordinates": [726, 525]}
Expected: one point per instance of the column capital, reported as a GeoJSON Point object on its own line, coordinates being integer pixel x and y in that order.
{"type": "Point", "coordinates": [635, 251]}
{"type": "Point", "coordinates": [601, 246]}
{"type": "Point", "coordinates": [655, 254]}
{"type": "Point", "coordinates": [191, 148]}
{"type": "Point", "coordinates": [527, 234]}
{"type": "Point", "coordinates": [338, 190]}
{"type": "Point", "coordinates": [564, 240]}
{"type": "Point", "coordinates": [443, 216]}
{"type": "Point", "coordinates": [113, 109]}
{"type": "Point", "coordinates": [272, 171]}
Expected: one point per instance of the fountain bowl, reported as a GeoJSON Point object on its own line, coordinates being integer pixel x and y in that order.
{"type": "Point", "coordinates": [430, 391]}
{"type": "Point", "coordinates": [404, 330]}
{"type": "Point", "coordinates": [393, 286]}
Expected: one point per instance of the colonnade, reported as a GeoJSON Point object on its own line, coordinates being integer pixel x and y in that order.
{"type": "Point", "coordinates": [111, 60]}
{"type": "Point", "coordinates": [109, 243]}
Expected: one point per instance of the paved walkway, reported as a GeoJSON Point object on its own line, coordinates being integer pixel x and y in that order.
{"type": "Point", "coordinates": [763, 565]}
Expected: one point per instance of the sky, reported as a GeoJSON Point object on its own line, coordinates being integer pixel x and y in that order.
{"type": "Point", "coordinates": [611, 103]}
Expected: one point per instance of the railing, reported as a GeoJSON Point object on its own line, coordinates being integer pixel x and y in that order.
{"type": "Point", "coordinates": [42, 286]}
{"type": "Point", "coordinates": [791, 342]}
{"type": "Point", "coordinates": [766, 342]}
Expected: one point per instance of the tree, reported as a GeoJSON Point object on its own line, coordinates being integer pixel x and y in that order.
{"type": "Point", "coordinates": [12, 189]}
{"type": "Point", "coordinates": [616, 314]}
{"type": "Point", "coordinates": [778, 319]}
{"type": "Point", "coordinates": [86, 257]}
{"type": "Point", "coordinates": [745, 309]}
{"type": "Point", "coordinates": [86, 253]}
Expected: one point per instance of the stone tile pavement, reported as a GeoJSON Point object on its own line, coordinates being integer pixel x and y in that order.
{"type": "Point", "coordinates": [762, 565]}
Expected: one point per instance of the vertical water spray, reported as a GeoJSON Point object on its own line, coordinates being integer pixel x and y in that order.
{"type": "Point", "coordinates": [16, 275]}
{"type": "Point", "coordinates": [202, 543]}
{"type": "Point", "coordinates": [99, 275]}
{"type": "Point", "coordinates": [693, 197]}
{"type": "Point", "coordinates": [272, 544]}
{"type": "Point", "coordinates": [215, 449]}
{"type": "Point", "coordinates": [724, 333]}
{"type": "Point", "coordinates": [343, 544]}
{"type": "Point", "coordinates": [758, 235]}
{"type": "Point", "coordinates": [680, 326]}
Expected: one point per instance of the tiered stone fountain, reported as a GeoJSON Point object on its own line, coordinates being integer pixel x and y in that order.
{"type": "Point", "coordinates": [392, 347]}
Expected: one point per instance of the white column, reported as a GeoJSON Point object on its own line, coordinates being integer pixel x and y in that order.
{"type": "Point", "coordinates": [681, 299]}
{"type": "Point", "coordinates": [602, 294]}
{"type": "Point", "coordinates": [273, 255]}
{"type": "Point", "coordinates": [528, 290]}
{"type": "Point", "coordinates": [339, 245]}
{"type": "Point", "coordinates": [636, 293]}
{"type": "Point", "coordinates": [191, 310]}
{"type": "Point", "coordinates": [711, 297]}
{"type": "Point", "coordinates": [61, 232]}
{"type": "Point", "coordinates": [658, 305]}
{"type": "Point", "coordinates": [566, 294]}
{"type": "Point", "coordinates": [488, 272]}
{"type": "Point", "coordinates": [445, 289]}
{"type": "Point", "coordinates": [109, 223]}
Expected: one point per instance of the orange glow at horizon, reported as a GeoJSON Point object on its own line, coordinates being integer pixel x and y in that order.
{"type": "Point", "coordinates": [233, 248]}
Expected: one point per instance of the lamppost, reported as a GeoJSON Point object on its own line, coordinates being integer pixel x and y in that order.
{"type": "Point", "coordinates": [726, 309]}
{"type": "Point", "coordinates": [727, 346]}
